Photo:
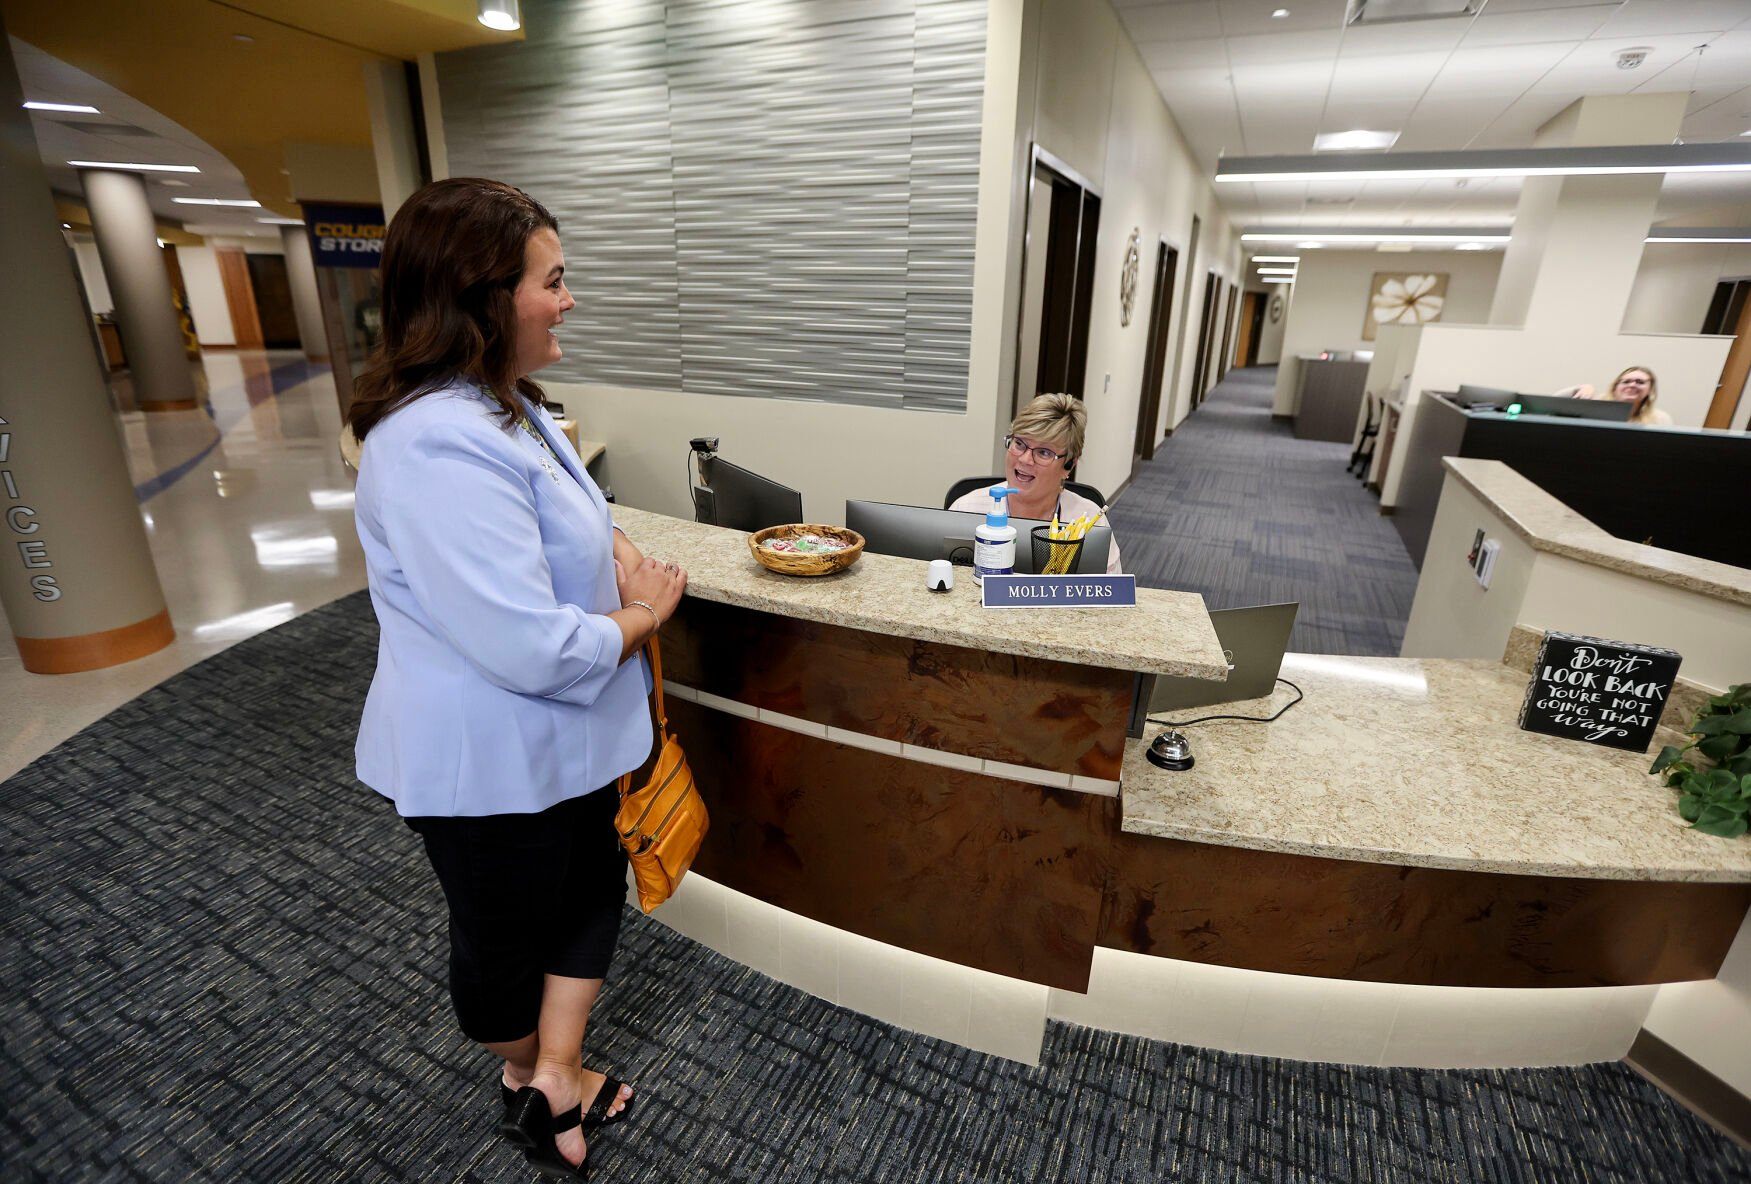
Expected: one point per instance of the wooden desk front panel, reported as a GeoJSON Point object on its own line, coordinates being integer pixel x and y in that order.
{"type": "Point", "coordinates": [1026, 711]}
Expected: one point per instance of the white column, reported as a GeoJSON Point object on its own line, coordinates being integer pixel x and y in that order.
{"type": "Point", "coordinates": [392, 133]}
{"type": "Point", "coordinates": [76, 576]}
{"type": "Point", "coordinates": [306, 302]}
{"type": "Point", "coordinates": [1577, 241]}
{"type": "Point", "coordinates": [145, 309]}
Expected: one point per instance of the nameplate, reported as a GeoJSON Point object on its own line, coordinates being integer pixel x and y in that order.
{"type": "Point", "coordinates": [1598, 691]}
{"type": "Point", "coordinates": [1058, 591]}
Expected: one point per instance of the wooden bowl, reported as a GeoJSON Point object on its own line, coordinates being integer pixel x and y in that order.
{"type": "Point", "coordinates": [791, 563]}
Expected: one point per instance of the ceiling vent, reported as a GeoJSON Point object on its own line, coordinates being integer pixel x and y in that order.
{"type": "Point", "coordinates": [1383, 12]}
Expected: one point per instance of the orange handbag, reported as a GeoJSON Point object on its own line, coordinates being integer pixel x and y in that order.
{"type": "Point", "coordinates": [662, 823]}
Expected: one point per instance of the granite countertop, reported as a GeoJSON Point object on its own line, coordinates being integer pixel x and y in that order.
{"type": "Point", "coordinates": [1420, 762]}
{"type": "Point", "coordinates": [1549, 525]}
{"type": "Point", "coordinates": [1167, 633]}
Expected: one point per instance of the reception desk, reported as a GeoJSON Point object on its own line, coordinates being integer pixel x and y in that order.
{"type": "Point", "coordinates": [1642, 484]}
{"type": "Point", "coordinates": [971, 786]}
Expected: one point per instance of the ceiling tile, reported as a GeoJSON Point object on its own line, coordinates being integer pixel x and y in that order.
{"type": "Point", "coordinates": [1284, 47]}
{"type": "Point", "coordinates": [1241, 17]}
{"type": "Point", "coordinates": [1207, 52]}
{"type": "Point", "coordinates": [1502, 70]}
{"type": "Point", "coordinates": [1647, 17]}
{"type": "Point", "coordinates": [1169, 22]}
{"type": "Point", "coordinates": [1446, 127]}
{"type": "Point", "coordinates": [1404, 37]}
{"type": "Point", "coordinates": [1726, 61]}
{"type": "Point", "coordinates": [1385, 76]}
{"type": "Point", "coordinates": [1525, 28]}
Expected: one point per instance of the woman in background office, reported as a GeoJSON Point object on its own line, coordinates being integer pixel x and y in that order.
{"type": "Point", "coordinates": [1043, 445]}
{"type": "Point", "coordinates": [1636, 385]}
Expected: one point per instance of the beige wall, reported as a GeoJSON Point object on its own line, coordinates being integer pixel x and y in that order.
{"type": "Point", "coordinates": [1453, 616]}
{"type": "Point", "coordinates": [206, 296]}
{"type": "Point", "coordinates": [1710, 1021]}
{"type": "Point", "coordinates": [834, 453]}
{"type": "Point", "coordinates": [1098, 110]}
{"type": "Point", "coordinates": [1675, 283]}
{"type": "Point", "coordinates": [91, 275]}
{"type": "Point", "coordinates": [1331, 298]}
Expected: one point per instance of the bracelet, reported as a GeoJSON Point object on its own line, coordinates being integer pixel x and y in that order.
{"type": "Point", "coordinates": [649, 608]}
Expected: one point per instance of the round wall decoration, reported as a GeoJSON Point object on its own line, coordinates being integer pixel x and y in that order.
{"type": "Point", "coordinates": [1128, 279]}
{"type": "Point", "coordinates": [1276, 309]}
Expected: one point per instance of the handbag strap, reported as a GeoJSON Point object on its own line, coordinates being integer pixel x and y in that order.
{"type": "Point", "coordinates": [656, 654]}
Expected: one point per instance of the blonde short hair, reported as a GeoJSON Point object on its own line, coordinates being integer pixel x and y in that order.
{"type": "Point", "coordinates": [1058, 420]}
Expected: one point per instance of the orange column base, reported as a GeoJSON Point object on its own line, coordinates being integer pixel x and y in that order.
{"type": "Point", "coordinates": [94, 651]}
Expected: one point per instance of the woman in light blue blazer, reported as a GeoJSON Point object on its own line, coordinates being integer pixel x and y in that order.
{"type": "Point", "coordinates": [508, 696]}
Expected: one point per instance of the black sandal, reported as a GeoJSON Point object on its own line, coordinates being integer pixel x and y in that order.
{"type": "Point", "coordinates": [597, 1115]}
{"type": "Point", "coordinates": [529, 1123]}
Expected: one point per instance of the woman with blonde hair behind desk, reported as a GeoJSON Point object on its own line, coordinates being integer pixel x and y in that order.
{"type": "Point", "coordinates": [509, 695]}
{"type": "Point", "coordinates": [1043, 445]}
{"type": "Point", "coordinates": [1636, 384]}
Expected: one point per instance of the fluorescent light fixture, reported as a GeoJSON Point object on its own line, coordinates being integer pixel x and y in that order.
{"type": "Point", "coordinates": [1310, 246]}
{"type": "Point", "coordinates": [66, 226]}
{"type": "Point", "coordinates": [1279, 13]}
{"type": "Point", "coordinates": [1308, 238]}
{"type": "Point", "coordinates": [1276, 271]}
{"type": "Point", "coordinates": [75, 108]}
{"type": "Point", "coordinates": [1700, 234]}
{"type": "Point", "coordinates": [1471, 247]}
{"type": "Point", "coordinates": [245, 203]}
{"type": "Point", "coordinates": [133, 168]}
{"type": "Point", "coordinates": [1358, 140]}
{"type": "Point", "coordinates": [503, 15]}
{"type": "Point", "coordinates": [1606, 160]}
{"type": "Point", "coordinates": [1276, 258]}
{"type": "Point", "coordinates": [281, 221]}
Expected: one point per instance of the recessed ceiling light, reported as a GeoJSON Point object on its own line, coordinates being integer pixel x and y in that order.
{"type": "Point", "coordinates": [281, 221]}
{"type": "Point", "coordinates": [247, 203]}
{"type": "Point", "coordinates": [1355, 140]}
{"type": "Point", "coordinates": [503, 15]}
{"type": "Point", "coordinates": [1276, 258]}
{"type": "Point", "coordinates": [1310, 246]}
{"type": "Point", "coordinates": [243, 38]}
{"type": "Point", "coordinates": [79, 108]}
{"type": "Point", "coordinates": [133, 168]}
{"type": "Point", "coordinates": [66, 226]}
{"type": "Point", "coordinates": [1376, 237]}
{"type": "Point", "coordinates": [172, 181]}
{"type": "Point", "coordinates": [1279, 14]}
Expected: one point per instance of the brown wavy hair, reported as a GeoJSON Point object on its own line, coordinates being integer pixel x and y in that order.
{"type": "Point", "coordinates": [451, 264]}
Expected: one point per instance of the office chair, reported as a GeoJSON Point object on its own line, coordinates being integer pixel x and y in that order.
{"type": "Point", "coordinates": [966, 485]}
{"type": "Point", "coordinates": [1364, 450]}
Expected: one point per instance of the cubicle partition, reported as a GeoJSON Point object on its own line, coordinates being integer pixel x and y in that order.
{"type": "Point", "coordinates": [1656, 485]}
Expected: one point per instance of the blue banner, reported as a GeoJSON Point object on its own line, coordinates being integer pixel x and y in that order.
{"type": "Point", "coordinates": [1101, 591]}
{"type": "Point", "coordinates": [345, 236]}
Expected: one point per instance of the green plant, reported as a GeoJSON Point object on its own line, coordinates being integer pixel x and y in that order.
{"type": "Point", "coordinates": [1714, 798]}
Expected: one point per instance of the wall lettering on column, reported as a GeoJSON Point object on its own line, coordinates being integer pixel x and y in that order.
{"type": "Point", "coordinates": [33, 553]}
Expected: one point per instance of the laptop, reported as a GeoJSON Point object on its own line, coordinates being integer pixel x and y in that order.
{"type": "Point", "coordinates": [1253, 640]}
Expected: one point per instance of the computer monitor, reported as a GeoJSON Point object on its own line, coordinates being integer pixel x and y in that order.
{"type": "Point", "coordinates": [1471, 396]}
{"type": "Point", "coordinates": [731, 496]}
{"type": "Point", "coordinates": [1612, 410]}
{"type": "Point", "coordinates": [924, 532]}
{"type": "Point", "coordinates": [1253, 640]}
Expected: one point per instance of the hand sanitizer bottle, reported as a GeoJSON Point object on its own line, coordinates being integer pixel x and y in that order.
{"type": "Point", "coordinates": [994, 538]}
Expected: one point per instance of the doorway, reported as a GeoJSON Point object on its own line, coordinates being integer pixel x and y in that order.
{"type": "Point", "coordinates": [1252, 327]}
{"type": "Point", "coordinates": [1155, 357]}
{"type": "Point", "coordinates": [1729, 314]}
{"type": "Point", "coordinates": [1225, 360]}
{"type": "Point", "coordinates": [1206, 324]}
{"type": "Point", "coordinates": [273, 301]}
{"type": "Point", "coordinates": [1063, 226]}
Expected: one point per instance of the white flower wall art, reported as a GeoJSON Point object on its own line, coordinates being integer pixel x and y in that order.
{"type": "Point", "coordinates": [1400, 298]}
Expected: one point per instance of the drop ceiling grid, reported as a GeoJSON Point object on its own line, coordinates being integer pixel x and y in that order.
{"type": "Point", "coordinates": [1242, 84]}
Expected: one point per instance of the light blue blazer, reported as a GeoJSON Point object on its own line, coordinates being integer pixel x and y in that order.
{"type": "Point", "coordinates": [499, 685]}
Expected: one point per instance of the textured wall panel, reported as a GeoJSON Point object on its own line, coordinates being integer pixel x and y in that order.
{"type": "Point", "coordinates": [770, 198]}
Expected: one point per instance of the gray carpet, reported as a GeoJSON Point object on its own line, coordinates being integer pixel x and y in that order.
{"type": "Point", "coordinates": [222, 960]}
{"type": "Point", "coordinates": [1235, 507]}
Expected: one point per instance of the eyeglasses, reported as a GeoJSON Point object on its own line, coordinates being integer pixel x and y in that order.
{"type": "Point", "coordinates": [1044, 455]}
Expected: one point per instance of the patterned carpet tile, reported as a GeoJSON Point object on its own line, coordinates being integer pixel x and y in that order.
{"type": "Point", "coordinates": [223, 960]}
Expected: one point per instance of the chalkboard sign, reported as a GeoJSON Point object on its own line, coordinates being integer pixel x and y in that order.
{"type": "Point", "coordinates": [1602, 692]}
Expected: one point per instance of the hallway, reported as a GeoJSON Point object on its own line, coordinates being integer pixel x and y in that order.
{"type": "Point", "coordinates": [1233, 506]}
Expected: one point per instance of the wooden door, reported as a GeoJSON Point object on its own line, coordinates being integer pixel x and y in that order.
{"type": "Point", "coordinates": [1730, 312]}
{"type": "Point", "coordinates": [1245, 345]}
{"type": "Point", "coordinates": [1224, 360]}
{"type": "Point", "coordinates": [273, 301]}
{"type": "Point", "coordinates": [1155, 357]}
{"type": "Point", "coordinates": [239, 297]}
{"type": "Point", "coordinates": [1201, 362]}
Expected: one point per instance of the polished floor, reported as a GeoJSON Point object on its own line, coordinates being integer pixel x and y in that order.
{"type": "Point", "coordinates": [250, 516]}
{"type": "Point", "coordinates": [1233, 506]}
{"type": "Point", "coordinates": [234, 970]}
